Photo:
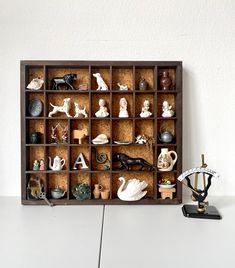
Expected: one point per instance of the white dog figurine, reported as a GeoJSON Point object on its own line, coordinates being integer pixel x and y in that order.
{"type": "Point", "coordinates": [101, 84]}
{"type": "Point", "coordinates": [79, 111]}
{"type": "Point", "coordinates": [62, 109]}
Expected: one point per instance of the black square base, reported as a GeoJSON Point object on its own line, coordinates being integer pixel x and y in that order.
{"type": "Point", "coordinates": [210, 213]}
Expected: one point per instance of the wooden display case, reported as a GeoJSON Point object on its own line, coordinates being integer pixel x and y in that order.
{"type": "Point", "coordinates": [113, 72]}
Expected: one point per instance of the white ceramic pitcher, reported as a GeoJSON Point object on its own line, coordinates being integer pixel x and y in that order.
{"type": "Point", "coordinates": [165, 162]}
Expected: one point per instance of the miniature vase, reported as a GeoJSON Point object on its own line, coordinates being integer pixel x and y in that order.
{"type": "Point", "coordinates": [165, 81]}
{"type": "Point", "coordinates": [165, 162]}
{"type": "Point", "coordinates": [35, 139]}
{"type": "Point", "coordinates": [97, 191]}
{"type": "Point", "coordinates": [143, 84]}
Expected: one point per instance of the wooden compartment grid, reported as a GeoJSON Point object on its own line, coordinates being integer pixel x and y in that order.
{"type": "Point", "coordinates": [129, 73]}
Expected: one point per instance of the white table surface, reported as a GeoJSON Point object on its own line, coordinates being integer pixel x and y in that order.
{"type": "Point", "coordinates": [133, 236]}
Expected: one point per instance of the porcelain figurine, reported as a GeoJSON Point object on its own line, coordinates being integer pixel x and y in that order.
{"type": "Point", "coordinates": [100, 139]}
{"type": "Point", "coordinates": [143, 85]}
{"type": "Point", "coordinates": [167, 109]}
{"type": "Point", "coordinates": [100, 81]}
{"type": "Point", "coordinates": [165, 162]}
{"type": "Point", "coordinates": [58, 163]}
{"type": "Point", "coordinates": [64, 138]}
{"type": "Point", "coordinates": [42, 165]}
{"type": "Point", "coordinates": [35, 84]}
{"type": "Point", "coordinates": [81, 191]}
{"type": "Point", "coordinates": [54, 138]}
{"type": "Point", "coordinates": [57, 193]}
{"type": "Point", "coordinates": [61, 109]}
{"type": "Point", "coordinates": [123, 108]}
{"type": "Point", "coordinates": [103, 111]}
{"type": "Point", "coordinates": [122, 87]}
{"type": "Point", "coordinates": [66, 80]}
{"type": "Point", "coordinates": [133, 190]}
{"type": "Point", "coordinates": [80, 161]}
{"type": "Point", "coordinates": [145, 109]}
{"type": "Point", "coordinates": [80, 134]}
{"type": "Point", "coordinates": [79, 111]}
{"type": "Point", "coordinates": [35, 165]}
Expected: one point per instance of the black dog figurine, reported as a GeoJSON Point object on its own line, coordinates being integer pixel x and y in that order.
{"type": "Point", "coordinates": [127, 161]}
{"type": "Point", "coordinates": [65, 80]}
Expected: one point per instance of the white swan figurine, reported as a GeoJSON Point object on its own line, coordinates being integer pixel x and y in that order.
{"type": "Point", "coordinates": [132, 191]}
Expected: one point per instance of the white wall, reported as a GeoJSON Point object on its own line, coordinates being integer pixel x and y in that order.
{"type": "Point", "coordinates": [200, 33]}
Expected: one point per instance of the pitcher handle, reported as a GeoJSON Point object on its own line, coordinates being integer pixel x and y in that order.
{"type": "Point", "coordinates": [176, 156]}
{"type": "Point", "coordinates": [62, 160]}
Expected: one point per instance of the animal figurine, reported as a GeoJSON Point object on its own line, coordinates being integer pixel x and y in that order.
{"type": "Point", "coordinates": [66, 80]}
{"type": "Point", "coordinates": [80, 134]}
{"type": "Point", "coordinates": [122, 87]}
{"type": "Point", "coordinates": [79, 111]}
{"type": "Point", "coordinates": [127, 161]}
{"type": "Point", "coordinates": [62, 109]}
{"type": "Point", "coordinates": [133, 190]}
{"type": "Point", "coordinates": [100, 81]}
{"type": "Point", "coordinates": [35, 84]}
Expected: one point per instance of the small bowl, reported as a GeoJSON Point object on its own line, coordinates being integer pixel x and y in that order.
{"type": "Point", "coordinates": [166, 186]}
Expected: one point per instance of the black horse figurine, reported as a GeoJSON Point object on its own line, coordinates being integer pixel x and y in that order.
{"type": "Point", "coordinates": [65, 80]}
{"type": "Point", "coordinates": [127, 161]}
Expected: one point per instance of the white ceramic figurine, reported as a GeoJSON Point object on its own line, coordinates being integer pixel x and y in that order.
{"type": "Point", "coordinates": [123, 108]}
{"type": "Point", "coordinates": [122, 87]}
{"type": "Point", "coordinates": [62, 109]}
{"type": "Point", "coordinates": [79, 111]}
{"type": "Point", "coordinates": [167, 109]}
{"type": "Point", "coordinates": [35, 84]}
{"type": "Point", "coordinates": [103, 111]}
{"type": "Point", "coordinates": [145, 109]}
{"type": "Point", "coordinates": [100, 81]}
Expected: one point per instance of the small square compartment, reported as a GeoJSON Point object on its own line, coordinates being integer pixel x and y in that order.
{"type": "Point", "coordinates": [144, 127]}
{"type": "Point", "coordinates": [103, 179]}
{"type": "Point", "coordinates": [82, 125]}
{"type": "Point", "coordinates": [35, 125]}
{"type": "Point", "coordinates": [123, 76]}
{"type": "Point", "coordinates": [74, 153]}
{"type": "Point", "coordinates": [166, 125]}
{"type": "Point", "coordinates": [98, 155]}
{"type": "Point", "coordinates": [34, 96]}
{"type": "Point", "coordinates": [105, 74]}
{"type": "Point", "coordinates": [122, 130]}
{"type": "Point", "coordinates": [116, 105]}
{"type": "Point", "coordinates": [139, 102]}
{"type": "Point", "coordinates": [147, 176]}
{"type": "Point", "coordinates": [32, 154]}
{"type": "Point", "coordinates": [134, 152]}
{"type": "Point", "coordinates": [144, 73]}
{"type": "Point", "coordinates": [60, 151]}
{"type": "Point", "coordinates": [172, 76]}
{"type": "Point", "coordinates": [100, 126]}
{"type": "Point", "coordinates": [170, 98]}
{"type": "Point", "coordinates": [61, 125]}
{"type": "Point", "coordinates": [42, 179]}
{"type": "Point", "coordinates": [34, 72]}
{"type": "Point", "coordinates": [78, 178]}
{"type": "Point", "coordinates": [81, 72]}
{"type": "Point", "coordinates": [58, 180]}
{"type": "Point", "coordinates": [95, 97]}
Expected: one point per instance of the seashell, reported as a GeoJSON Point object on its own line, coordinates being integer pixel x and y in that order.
{"type": "Point", "coordinates": [100, 139]}
{"type": "Point", "coordinates": [35, 84]}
